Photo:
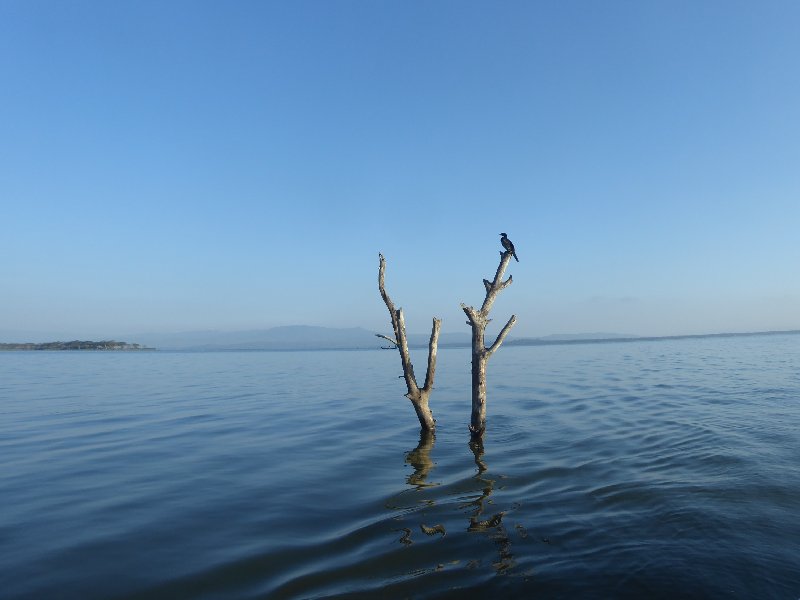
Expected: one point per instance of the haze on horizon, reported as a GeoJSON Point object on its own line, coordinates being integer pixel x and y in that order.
{"type": "Point", "coordinates": [193, 165]}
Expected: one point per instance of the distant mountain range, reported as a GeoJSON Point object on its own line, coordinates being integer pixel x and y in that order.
{"type": "Point", "coordinates": [295, 337]}
{"type": "Point", "coordinates": [291, 337]}
{"type": "Point", "coordinates": [306, 337]}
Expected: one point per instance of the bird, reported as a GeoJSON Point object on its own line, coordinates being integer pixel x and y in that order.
{"type": "Point", "coordinates": [508, 245]}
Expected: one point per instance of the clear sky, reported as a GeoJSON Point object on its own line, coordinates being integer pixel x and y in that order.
{"type": "Point", "coordinates": [180, 165]}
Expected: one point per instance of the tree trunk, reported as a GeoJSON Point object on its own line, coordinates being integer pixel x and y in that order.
{"type": "Point", "coordinates": [478, 319]}
{"type": "Point", "coordinates": [419, 396]}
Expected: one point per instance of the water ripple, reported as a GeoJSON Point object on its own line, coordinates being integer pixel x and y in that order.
{"type": "Point", "coordinates": [644, 469]}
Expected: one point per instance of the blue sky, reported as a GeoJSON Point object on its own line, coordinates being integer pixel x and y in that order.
{"type": "Point", "coordinates": [169, 166]}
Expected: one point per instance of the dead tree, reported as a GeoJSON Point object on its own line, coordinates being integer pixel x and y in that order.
{"type": "Point", "coordinates": [478, 320]}
{"type": "Point", "coordinates": [418, 396]}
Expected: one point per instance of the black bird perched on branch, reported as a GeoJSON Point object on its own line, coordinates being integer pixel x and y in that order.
{"type": "Point", "coordinates": [508, 245]}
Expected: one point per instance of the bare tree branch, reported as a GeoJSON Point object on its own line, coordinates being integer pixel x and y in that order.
{"type": "Point", "coordinates": [405, 356]}
{"type": "Point", "coordinates": [497, 285]}
{"type": "Point", "coordinates": [471, 313]}
{"type": "Point", "coordinates": [419, 397]}
{"type": "Point", "coordinates": [478, 320]}
{"type": "Point", "coordinates": [388, 339]}
{"type": "Point", "coordinates": [502, 335]}
{"type": "Point", "coordinates": [432, 347]}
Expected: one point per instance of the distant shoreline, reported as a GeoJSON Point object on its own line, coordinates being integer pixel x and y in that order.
{"type": "Point", "coordinates": [654, 338]}
{"type": "Point", "coordinates": [287, 346]}
{"type": "Point", "coordinates": [78, 345]}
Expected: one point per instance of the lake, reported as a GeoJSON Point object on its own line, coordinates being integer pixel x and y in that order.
{"type": "Point", "coordinates": [653, 469]}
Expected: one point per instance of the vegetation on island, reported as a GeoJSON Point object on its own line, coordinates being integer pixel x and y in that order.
{"type": "Point", "coordinates": [75, 345]}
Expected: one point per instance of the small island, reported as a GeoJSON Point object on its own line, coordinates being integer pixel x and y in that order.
{"type": "Point", "coordinates": [77, 345]}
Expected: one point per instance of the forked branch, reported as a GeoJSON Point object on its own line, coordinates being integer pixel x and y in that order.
{"type": "Point", "coordinates": [502, 335]}
{"type": "Point", "coordinates": [478, 320]}
{"type": "Point", "coordinates": [418, 396]}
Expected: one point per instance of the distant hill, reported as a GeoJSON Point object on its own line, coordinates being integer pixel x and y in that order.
{"type": "Point", "coordinates": [290, 337]}
{"type": "Point", "coordinates": [446, 340]}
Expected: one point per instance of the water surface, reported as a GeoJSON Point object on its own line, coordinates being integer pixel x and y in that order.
{"type": "Point", "coordinates": [637, 469]}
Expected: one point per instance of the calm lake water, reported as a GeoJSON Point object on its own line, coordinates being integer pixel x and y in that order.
{"type": "Point", "coordinates": [645, 470]}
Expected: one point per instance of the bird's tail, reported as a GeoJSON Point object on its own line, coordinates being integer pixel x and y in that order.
{"type": "Point", "coordinates": [515, 256]}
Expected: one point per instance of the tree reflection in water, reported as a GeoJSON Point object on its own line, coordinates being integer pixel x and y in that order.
{"type": "Point", "coordinates": [481, 521]}
{"type": "Point", "coordinates": [494, 524]}
{"type": "Point", "coordinates": [420, 459]}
